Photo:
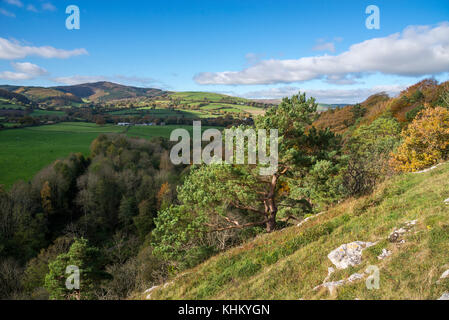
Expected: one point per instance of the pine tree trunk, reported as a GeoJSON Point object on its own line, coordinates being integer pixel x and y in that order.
{"type": "Point", "coordinates": [270, 206]}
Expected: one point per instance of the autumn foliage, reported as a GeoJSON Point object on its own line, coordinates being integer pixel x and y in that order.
{"type": "Point", "coordinates": [425, 141]}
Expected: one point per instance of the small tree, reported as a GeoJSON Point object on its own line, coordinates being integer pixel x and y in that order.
{"type": "Point", "coordinates": [425, 141]}
{"type": "Point", "coordinates": [368, 152]}
{"type": "Point", "coordinates": [90, 264]}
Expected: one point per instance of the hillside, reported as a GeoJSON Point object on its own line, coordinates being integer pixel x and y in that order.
{"type": "Point", "coordinates": [404, 107]}
{"type": "Point", "coordinates": [290, 263]}
{"type": "Point", "coordinates": [108, 91]}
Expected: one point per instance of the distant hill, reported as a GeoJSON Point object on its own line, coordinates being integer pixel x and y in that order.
{"type": "Point", "coordinates": [106, 91]}
{"type": "Point", "coordinates": [8, 95]}
{"type": "Point", "coordinates": [69, 95]}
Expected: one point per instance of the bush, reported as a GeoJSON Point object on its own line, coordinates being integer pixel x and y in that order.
{"type": "Point", "coordinates": [368, 152]}
{"type": "Point", "coordinates": [425, 141]}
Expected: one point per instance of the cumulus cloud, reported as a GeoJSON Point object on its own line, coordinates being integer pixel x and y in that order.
{"type": "Point", "coordinates": [14, 50]}
{"type": "Point", "coordinates": [23, 71]}
{"type": "Point", "coordinates": [16, 3]}
{"type": "Point", "coordinates": [349, 96]}
{"type": "Point", "coordinates": [7, 13]}
{"type": "Point", "coordinates": [417, 51]}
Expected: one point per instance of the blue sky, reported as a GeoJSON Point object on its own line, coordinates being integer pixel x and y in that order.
{"type": "Point", "coordinates": [261, 49]}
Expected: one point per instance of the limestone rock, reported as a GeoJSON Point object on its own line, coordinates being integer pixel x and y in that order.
{"type": "Point", "coordinates": [355, 277]}
{"type": "Point", "coordinates": [397, 233]}
{"type": "Point", "coordinates": [309, 218]}
{"type": "Point", "coordinates": [149, 291]}
{"type": "Point", "coordinates": [349, 254]}
{"type": "Point", "coordinates": [333, 285]}
{"type": "Point", "coordinates": [445, 274]}
{"type": "Point", "coordinates": [445, 296]}
{"type": "Point", "coordinates": [385, 253]}
{"type": "Point", "coordinates": [429, 169]}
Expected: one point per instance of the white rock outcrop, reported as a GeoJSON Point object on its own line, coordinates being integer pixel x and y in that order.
{"type": "Point", "coordinates": [397, 233]}
{"type": "Point", "coordinates": [445, 275]}
{"type": "Point", "coordinates": [349, 254]}
{"type": "Point", "coordinates": [309, 218]}
{"type": "Point", "coordinates": [385, 253]}
{"type": "Point", "coordinates": [149, 291]}
{"type": "Point", "coordinates": [333, 285]}
{"type": "Point", "coordinates": [445, 296]}
{"type": "Point", "coordinates": [429, 169]}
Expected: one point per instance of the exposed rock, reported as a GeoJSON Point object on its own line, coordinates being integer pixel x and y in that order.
{"type": "Point", "coordinates": [309, 218]}
{"type": "Point", "coordinates": [150, 291]}
{"type": "Point", "coordinates": [445, 275]}
{"type": "Point", "coordinates": [333, 285]}
{"type": "Point", "coordinates": [411, 223]}
{"type": "Point", "coordinates": [446, 201]}
{"type": "Point", "coordinates": [445, 296]}
{"type": "Point", "coordinates": [385, 253]}
{"type": "Point", "coordinates": [429, 169]}
{"type": "Point", "coordinates": [355, 277]}
{"type": "Point", "coordinates": [397, 233]}
{"type": "Point", "coordinates": [330, 270]}
{"type": "Point", "coordinates": [349, 254]}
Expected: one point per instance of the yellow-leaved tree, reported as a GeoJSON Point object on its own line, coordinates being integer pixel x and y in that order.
{"type": "Point", "coordinates": [425, 141]}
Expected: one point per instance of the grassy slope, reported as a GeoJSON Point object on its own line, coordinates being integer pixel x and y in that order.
{"type": "Point", "coordinates": [289, 263]}
{"type": "Point", "coordinates": [23, 152]}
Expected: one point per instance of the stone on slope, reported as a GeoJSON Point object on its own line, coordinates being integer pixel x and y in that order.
{"type": "Point", "coordinates": [445, 296]}
{"type": "Point", "coordinates": [445, 275]}
{"type": "Point", "coordinates": [385, 253]}
{"type": "Point", "coordinates": [349, 254]}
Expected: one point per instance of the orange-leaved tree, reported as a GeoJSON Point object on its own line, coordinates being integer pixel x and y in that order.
{"type": "Point", "coordinates": [425, 141]}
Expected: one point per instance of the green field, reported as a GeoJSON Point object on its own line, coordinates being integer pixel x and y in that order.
{"type": "Point", "coordinates": [201, 96]}
{"type": "Point", "coordinates": [6, 104]}
{"type": "Point", "coordinates": [38, 112]}
{"type": "Point", "coordinates": [24, 152]}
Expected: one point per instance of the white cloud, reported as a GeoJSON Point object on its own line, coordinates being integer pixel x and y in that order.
{"type": "Point", "coordinates": [417, 51]}
{"type": "Point", "coordinates": [13, 50]}
{"type": "Point", "coordinates": [326, 95]}
{"type": "Point", "coordinates": [16, 3]}
{"type": "Point", "coordinates": [32, 8]}
{"type": "Point", "coordinates": [7, 13]}
{"type": "Point", "coordinates": [48, 6]}
{"type": "Point", "coordinates": [324, 46]}
{"type": "Point", "coordinates": [28, 68]}
{"type": "Point", "coordinates": [23, 71]}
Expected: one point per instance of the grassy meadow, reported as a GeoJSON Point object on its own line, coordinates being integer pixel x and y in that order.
{"type": "Point", "coordinates": [24, 152]}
